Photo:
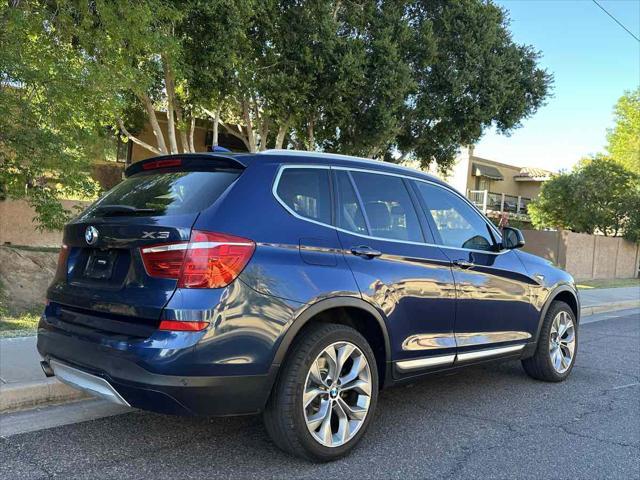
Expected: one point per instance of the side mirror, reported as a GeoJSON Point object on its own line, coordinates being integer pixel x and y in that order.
{"type": "Point", "coordinates": [512, 238]}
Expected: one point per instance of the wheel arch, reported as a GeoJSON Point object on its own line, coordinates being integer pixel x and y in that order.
{"type": "Point", "coordinates": [564, 293]}
{"type": "Point", "coordinates": [322, 310]}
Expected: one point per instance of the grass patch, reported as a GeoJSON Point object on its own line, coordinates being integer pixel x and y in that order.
{"type": "Point", "coordinates": [18, 325]}
{"type": "Point", "coordinates": [613, 283]}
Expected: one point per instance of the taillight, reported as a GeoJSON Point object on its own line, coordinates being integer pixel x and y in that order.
{"type": "Point", "coordinates": [63, 256]}
{"type": "Point", "coordinates": [208, 260]}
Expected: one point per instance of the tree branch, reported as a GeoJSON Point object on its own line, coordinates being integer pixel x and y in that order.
{"type": "Point", "coordinates": [135, 140]}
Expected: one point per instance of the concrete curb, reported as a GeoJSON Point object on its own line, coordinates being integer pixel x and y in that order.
{"type": "Point", "coordinates": [25, 395]}
{"type": "Point", "coordinates": [20, 396]}
{"type": "Point", "coordinates": [609, 307]}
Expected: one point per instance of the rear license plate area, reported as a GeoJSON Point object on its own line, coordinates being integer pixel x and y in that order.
{"type": "Point", "coordinates": [100, 264]}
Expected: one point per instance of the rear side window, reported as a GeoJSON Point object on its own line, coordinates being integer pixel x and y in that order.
{"type": "Point", "coordinates": [164, 193]}
{"type": "Point", "coordinates": [388, 207]}
{"type": "Point", "coordinates": [306, 192]}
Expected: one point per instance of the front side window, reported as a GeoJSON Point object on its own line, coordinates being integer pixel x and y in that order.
{"type": "Point", "coordinates": [306, 191]}
{"type": "Point", "coordinates": [457, 223]}
{"type": "Point", "coordinates": [388, 207]}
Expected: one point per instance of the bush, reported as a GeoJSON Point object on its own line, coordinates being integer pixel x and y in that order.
{"type": "Point", "coordinates": [599, 195]}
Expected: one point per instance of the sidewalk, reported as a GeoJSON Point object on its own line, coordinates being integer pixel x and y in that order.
{"type": "Point", "coordinates": [22, 381]}
{"type": "Point", "coordinates": [598, 300]}
{"type": "Point", "coordinates": [24, 385]}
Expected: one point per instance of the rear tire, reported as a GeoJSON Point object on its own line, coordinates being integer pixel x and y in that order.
{"type": "Point", "coordinates": [338, 410]}
{"type": "Point", "coordinates": [557, 346]}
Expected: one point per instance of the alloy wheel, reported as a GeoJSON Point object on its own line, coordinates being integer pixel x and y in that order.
{"type": "Point", "coordinates": [562, 342]}
{"type": "Point", "coordinates": [337, 394]}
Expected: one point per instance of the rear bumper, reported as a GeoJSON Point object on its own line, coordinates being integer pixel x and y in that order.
{"type": "Point", "coordinates": [118, 376]}
{"type": "Point", "coordinates": [214, 396]}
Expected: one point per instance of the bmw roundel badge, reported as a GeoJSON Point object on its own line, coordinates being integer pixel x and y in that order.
{"type": "Point", "coordinates": [91, 235]}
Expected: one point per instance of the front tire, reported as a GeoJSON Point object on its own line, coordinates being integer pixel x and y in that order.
{"type": "Point", "coordinates": [557, 345]}
{"type": "Point", "coordinates": [325, 395]}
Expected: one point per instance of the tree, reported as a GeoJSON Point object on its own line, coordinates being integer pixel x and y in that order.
{"type": "Point", "coordinates": [388, 79]}
{"type": "Point", "coordinates": [599, 195]}
{"type": "Point", "coordinates": [48, 136]}
{"type": "Point", "coordinates": [624, 138]}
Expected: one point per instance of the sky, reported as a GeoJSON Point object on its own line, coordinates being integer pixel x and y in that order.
{"type": "Point", "coordinates": [593, 61]}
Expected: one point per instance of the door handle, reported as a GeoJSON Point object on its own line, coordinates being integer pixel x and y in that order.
{"type": "Point", "coordinates": [462, 264]}
{"type": "Point", "coordinates": [364, 251]}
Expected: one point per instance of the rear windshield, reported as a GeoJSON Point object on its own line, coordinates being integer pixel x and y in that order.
{"type": "Point", "coordinates": [163, 193]}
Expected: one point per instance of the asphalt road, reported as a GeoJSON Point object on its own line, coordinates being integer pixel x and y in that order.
{"type": "Point", "coordinates": [484, 422]}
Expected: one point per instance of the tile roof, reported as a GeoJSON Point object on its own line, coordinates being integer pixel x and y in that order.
{"type": "Point", "coordinates": [532, 172]}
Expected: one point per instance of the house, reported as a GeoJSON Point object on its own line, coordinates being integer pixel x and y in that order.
{"type": "Point", "coordinates": [498, 189]}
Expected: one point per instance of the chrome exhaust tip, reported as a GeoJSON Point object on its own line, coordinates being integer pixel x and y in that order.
{"type": "Point", "coordinates": [46, 368]}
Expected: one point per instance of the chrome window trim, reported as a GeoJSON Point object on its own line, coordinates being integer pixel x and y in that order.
{"type": "Point", "coordinates": [281, 168]}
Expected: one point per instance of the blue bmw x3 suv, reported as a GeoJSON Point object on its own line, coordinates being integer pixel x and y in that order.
{"type": "Point", "coordinates": [295, 284]}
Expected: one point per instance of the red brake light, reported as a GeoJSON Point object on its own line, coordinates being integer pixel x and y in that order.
{"type": "Point", "coordinates": [170, 162]}
{"type": "Point", "coordinates": [208, 260]}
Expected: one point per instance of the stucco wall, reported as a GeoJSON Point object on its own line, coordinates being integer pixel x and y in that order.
{"type": "Point", "coordinates": [585, 256]}
{"type": "Point", "coordinates": [17, 225]}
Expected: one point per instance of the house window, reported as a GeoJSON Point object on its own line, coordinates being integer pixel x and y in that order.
{"type": "Point", "coordinates": [483, 183]}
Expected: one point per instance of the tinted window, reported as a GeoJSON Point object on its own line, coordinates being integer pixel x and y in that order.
{"type": "Point", "coordinates": [388, 207]}
{"type": "Point", "coordinates": [306, 191]}
{"type": "Point", "coordinates": [349, 214]}
{"type": "Point", "coordinates": [457, 223]}
{"type": "Point", "coordinates": [168, 193]}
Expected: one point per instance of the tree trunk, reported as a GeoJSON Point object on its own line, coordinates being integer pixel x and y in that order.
{"type": "Point", "coordinates": [171, 105]}
{"type": "Point", "coordinates": [216, 126]}
{"type": "Point", "coordinates": [282, 132]}
{"type": "Point", "coordinates": [264, 133]}
{"type": "Point", "coordinates": [153, 120]}
{"type": "Point", "coordinates": [311, 140]}
{"type": "Point", "coordinates": [249, 126]}
{"type": "Point", "coordinates": [192, 131]}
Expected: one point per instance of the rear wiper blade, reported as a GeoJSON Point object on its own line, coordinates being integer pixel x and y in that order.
{"type": "Point", "coordinates": [122, 210]}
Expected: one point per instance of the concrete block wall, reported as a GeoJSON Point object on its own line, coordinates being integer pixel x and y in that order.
{"type": "Point", "coordinates": [586, 257]}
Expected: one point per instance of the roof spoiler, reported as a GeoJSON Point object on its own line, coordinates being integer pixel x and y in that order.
{"type": "Point", "coordinates": [187, 162]}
